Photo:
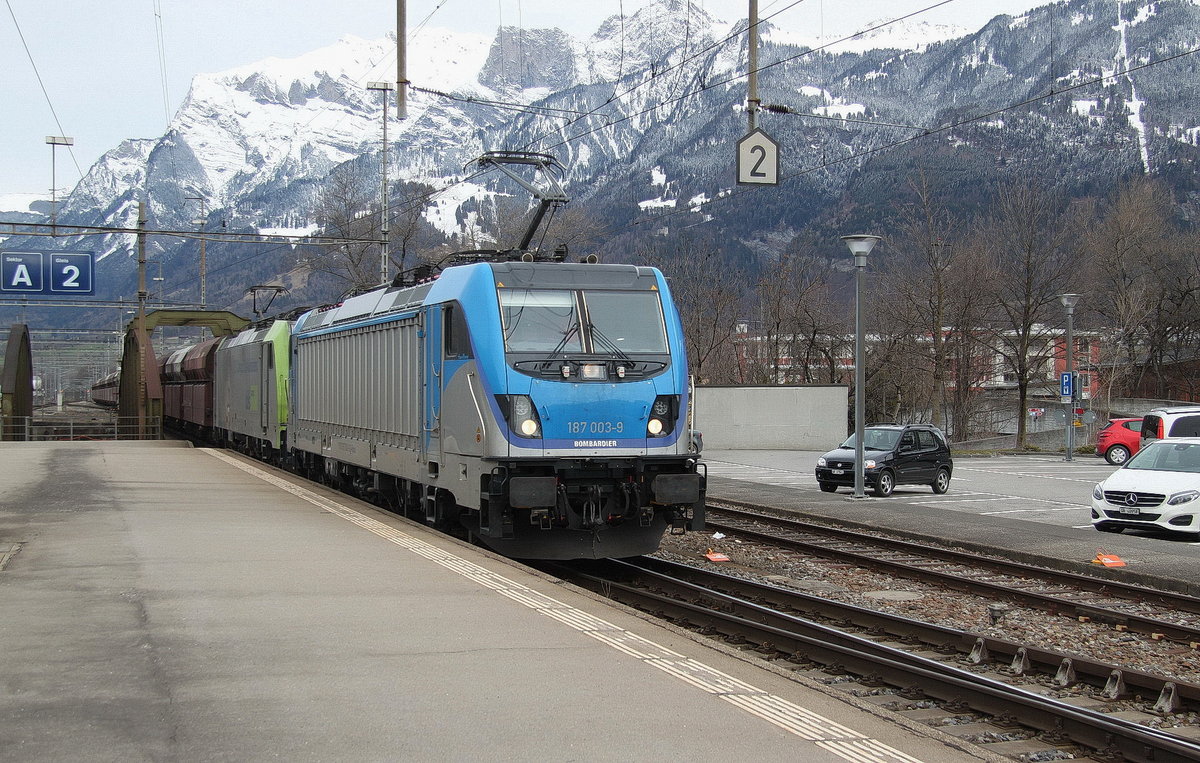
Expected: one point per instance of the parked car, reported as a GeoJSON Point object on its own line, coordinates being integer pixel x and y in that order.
{"type": "Point", "coordinates": [1176, 421]}
{"type": "Point", "coordinates": [1156, 489]}
{"type": "Point", "coordinates": [894, 454]}
{"type": "Point", "coordinates": [1119, 439]}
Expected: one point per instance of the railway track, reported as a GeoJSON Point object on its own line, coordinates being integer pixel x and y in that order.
{"type": "Point", "coordinates": [1156, 613]}
{"type": "Point", "coordinates": [1034, 706]}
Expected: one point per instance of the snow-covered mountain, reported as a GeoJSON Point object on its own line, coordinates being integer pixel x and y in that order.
{"type": "Point", "coordinates": [645, 114]}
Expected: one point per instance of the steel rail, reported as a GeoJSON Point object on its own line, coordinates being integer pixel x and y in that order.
{"type": "Point", "coordinates": [1023, 658]}
{"type": "Point", "coordinates": [737, 618]}
{"type": "Point", "coordinates": [917, 569]}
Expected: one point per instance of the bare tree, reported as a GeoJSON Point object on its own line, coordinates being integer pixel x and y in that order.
{"type": "Point", "coordinates": [822, 334]}
{"type": "Point", "coordinates": [968, 356]}
{"type": "Point", "coordinates": [344, 209]}
{"type": "Point", "coordinates": [411, 239]}
{"type": "Point", "coordinates": [709, 294]}
{"type": "Point", "coordinates": [1025, 244]}
{"type": "Point", "coordinates": [574, 227]}
{"type": "Point", "coordinates": [920, 297]}
{"type": "Point", "coordinates": [1146, 288]}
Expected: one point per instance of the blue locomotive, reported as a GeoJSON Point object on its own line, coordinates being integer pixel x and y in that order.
{"type": "Point", "coordinates": [543, 406]}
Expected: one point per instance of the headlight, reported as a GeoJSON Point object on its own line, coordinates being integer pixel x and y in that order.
{"type": "Point", "coordinates": [663, 413]}
{"type": "Point", "coordinates": [1098, 492]}
{"type": "Point", "coordinates": [821, 461]}
{"type": "Point", "coordinates": [521, 415]}
{"type": "Point", "coordinates": [1184, 497]}
{"type": "Point", "coordinates": [521, 406]}
{"type": "Point", "coordinates": [869, 463]}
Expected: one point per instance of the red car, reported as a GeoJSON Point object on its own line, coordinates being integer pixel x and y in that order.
{"type": "Point", "coordinates": [1118, 440]}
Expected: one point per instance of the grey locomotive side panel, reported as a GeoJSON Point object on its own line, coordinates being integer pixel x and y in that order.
{"type": "Point", "coordinates": [359, 392]}
{"type": "Point", "coordinates": [466, 423]}
{"type": "Point", "coordinates": [240, 391]}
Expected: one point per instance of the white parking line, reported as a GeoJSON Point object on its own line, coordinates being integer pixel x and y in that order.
{"type": "Point", "coordinates": [1036, 475]}
{"type": "Point", "coordinates": [974, 500]}
{"type": "Point", "coordinates": [1033, 511]}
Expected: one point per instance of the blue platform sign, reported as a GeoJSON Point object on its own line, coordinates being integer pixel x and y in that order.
{"type": "Point", "coordinates": [30, 273]}
{"type": "Point", "coordinates": [1066, 386]}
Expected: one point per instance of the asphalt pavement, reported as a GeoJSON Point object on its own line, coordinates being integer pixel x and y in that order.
{"type": "Point", "coordinates": [1033, 508]}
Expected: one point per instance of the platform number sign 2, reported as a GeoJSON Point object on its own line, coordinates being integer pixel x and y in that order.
{"type": "Point", "coordinates": [757, 159]}
{"type": "Point", "coordinates": [27, 273]}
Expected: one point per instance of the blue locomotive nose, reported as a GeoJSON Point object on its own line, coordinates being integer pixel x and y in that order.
{"type": "Point", "coordinates": [606, 416]}
{"type": "Point", "coordinates": [597, 415]}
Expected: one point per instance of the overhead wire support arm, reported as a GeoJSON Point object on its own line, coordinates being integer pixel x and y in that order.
{"type": "Point", "coordinates": [547, 165]}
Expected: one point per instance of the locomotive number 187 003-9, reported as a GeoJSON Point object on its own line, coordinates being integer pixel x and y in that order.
{"type": "Point", "coordinates": [595, 427]}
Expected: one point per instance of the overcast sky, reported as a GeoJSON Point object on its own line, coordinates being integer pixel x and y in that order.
{"type": "Point", "coordinates": [98, 65]}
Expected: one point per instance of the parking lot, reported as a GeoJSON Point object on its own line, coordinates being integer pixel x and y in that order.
{"type": "Point", "coordinates": [1037, 488]}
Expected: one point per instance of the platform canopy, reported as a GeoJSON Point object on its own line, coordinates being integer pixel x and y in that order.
{"type": "Point", "coordinates": [140, 393]}
{"type": "Point", "coordinates": [220, 322]}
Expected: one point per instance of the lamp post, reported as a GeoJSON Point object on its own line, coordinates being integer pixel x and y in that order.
{"type": "Point", "coordinates": [385, 88]}
{"type": "Point", "coordinates": [860, 246]}
{"type": "Point", "coordinates": [54, 141]}
{"type": "Point", "coordinates": [1069, 301]}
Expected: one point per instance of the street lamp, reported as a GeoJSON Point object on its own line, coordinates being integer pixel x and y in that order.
{"type": "Point", "coordinates": [385, 88]}
{"type": "Point", "coordinates": [55, 140]}
{"type": "Point", "coordinates": [1069, 301]}
{"type": "Point", "coordinates": [860, 246]}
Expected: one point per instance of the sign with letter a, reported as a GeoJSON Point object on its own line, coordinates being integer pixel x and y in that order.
{"type": "Point", "coordinates": [46, 273]}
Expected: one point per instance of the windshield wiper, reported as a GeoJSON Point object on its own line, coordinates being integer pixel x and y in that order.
{"type": "Point", "coordinates": [562, 344]}
{"type": "Point", "coordinates": [600, 339]}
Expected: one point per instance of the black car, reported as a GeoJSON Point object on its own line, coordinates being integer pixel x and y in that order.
{"type": "Point", "coordinates": [895, 454]}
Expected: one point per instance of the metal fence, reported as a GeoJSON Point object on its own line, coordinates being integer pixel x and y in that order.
{"type": "Point", "coordinates": [30, 429]}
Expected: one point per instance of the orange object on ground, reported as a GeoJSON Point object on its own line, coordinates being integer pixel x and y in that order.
{"type": "Point", "coordinates": [1107, 559]}
{"type": "Point", "coordinates": [716, 556]}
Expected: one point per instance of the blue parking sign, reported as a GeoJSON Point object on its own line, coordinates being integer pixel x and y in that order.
{"type": "Point", "coordinates": [1065, 384]}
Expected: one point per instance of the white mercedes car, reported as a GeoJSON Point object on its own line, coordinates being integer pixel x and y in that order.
{"type": "Point", "coordinates": [1157, 489]}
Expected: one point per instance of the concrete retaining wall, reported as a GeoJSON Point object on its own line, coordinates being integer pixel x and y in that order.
{"type": "Point", "coordinates": [773, 418]}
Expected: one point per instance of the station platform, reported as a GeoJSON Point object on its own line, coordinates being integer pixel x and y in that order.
{"type": "Point", "coordinates": [785, 481]}
{"type": "Point", "coordinates": [160, 602]}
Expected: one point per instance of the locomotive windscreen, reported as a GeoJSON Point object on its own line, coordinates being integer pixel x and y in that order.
{"type": "Point", "coordinates": [593, 321]}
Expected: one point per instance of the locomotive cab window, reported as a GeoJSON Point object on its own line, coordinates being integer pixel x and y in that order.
{"type": "Point", "coordinates": [540, 320]}
{"type": "Point", "coordinates": [454, 329]}
{"type": "Point", "coordinates": [624, 322]}
{"type": "Point", "coordinates": [595, 322]}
